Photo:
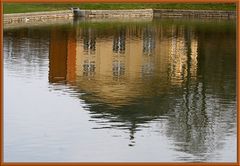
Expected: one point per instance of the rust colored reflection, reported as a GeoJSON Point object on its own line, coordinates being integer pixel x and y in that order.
{"type": "Point", "coordinates": [62, 56]}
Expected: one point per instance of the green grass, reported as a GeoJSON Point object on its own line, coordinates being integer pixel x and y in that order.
{"type": "Point", "coordinates": [36, 7]}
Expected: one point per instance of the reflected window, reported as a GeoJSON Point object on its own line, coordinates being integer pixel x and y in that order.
{"type": "Point", "coordinates": [148, 42]}
{"type": "Point", "coordinates": [89, 42]}
{"type": "Point", "coordinates": [147, 69]}
{"type": "Point", "coordinates": [89, 68]}
{"type": "Point", "coordinates": [118, 68]}
{"type": "Point", "coordinates": [119, 42]}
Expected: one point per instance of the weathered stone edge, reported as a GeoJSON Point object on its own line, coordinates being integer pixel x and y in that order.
{"type": "Point", "coordinates": [194, 13]}
{"type": "Point", "coordinates": [68, 14]}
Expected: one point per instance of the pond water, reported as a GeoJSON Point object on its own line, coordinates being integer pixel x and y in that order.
{"type": "Point", "coordinates": [161, 90]}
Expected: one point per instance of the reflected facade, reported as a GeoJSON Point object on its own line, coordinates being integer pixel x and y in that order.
{"type": "Point", "coordinates": [124, 62]}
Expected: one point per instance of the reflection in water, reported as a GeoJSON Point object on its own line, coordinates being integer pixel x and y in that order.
{"type": "Point", "coordinates": [148, 41]}
{"type": "Point", "coordinates": [119, 42]}
{"type": "Point", "coordinates": [134, 74]}
{"type": "Point", "coordinates": [17, 44]}
{"type": "Point", "coordinates": [89, 41]}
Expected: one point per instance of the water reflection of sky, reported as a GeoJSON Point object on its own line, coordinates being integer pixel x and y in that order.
{"type": "Point", "coordinates": [152, 91]}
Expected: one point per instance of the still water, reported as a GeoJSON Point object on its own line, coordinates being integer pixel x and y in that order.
{"type": "Point", "coordinates": [153, 91]}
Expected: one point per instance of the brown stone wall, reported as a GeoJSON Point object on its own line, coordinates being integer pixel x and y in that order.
{"type": "Point", "coordinates": [194, 13]}
{"type": "Point", "coordinates": [37, 16]}
{"type": "Point", "coordinates": [42, 17]}
{"type": "Point", "coordinates": [118, 13]}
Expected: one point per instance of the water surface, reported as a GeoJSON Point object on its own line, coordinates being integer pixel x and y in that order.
{"type": "Point", "coordinates": [153, 91]}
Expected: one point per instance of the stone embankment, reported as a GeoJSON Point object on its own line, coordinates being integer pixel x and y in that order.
{"type": "Point", "coordinates": [37, 17]}
{"type": "Point", "coordinates": [28, 18]}
{"type": "Point", "coordinates": [194, 13]}
{"type": "Point", "coordinates": [143, 13]}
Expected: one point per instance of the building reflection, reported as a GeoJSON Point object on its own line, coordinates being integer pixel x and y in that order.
{"type": "Point", "coordinates": [137, 74]}
{"type": "Point", "coordinates": [119, 69]}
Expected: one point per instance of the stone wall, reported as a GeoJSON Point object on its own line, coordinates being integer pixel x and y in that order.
{"type": "Point", "coordinates": [41, 17]}
{"type": "Point", "coordinates": [117, 13]}
{"type": "Point", "coordinates": [194, 13]}
{"type": "Point", "coordinates": [37, 17]}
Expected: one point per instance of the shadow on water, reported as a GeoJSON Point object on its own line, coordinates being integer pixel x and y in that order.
{"type": "Point", "coordinates": [132, 74]}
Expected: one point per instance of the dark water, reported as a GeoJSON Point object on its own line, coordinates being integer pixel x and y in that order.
{"type": "Point", "coordinates": [161, 90]}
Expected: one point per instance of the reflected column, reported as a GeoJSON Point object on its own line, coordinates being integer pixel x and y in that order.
{"type": "Point", "coordinates": [62, 56]}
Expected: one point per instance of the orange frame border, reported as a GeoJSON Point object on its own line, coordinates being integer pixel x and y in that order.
{"type": "Point", "coordinates": [121, 1]}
